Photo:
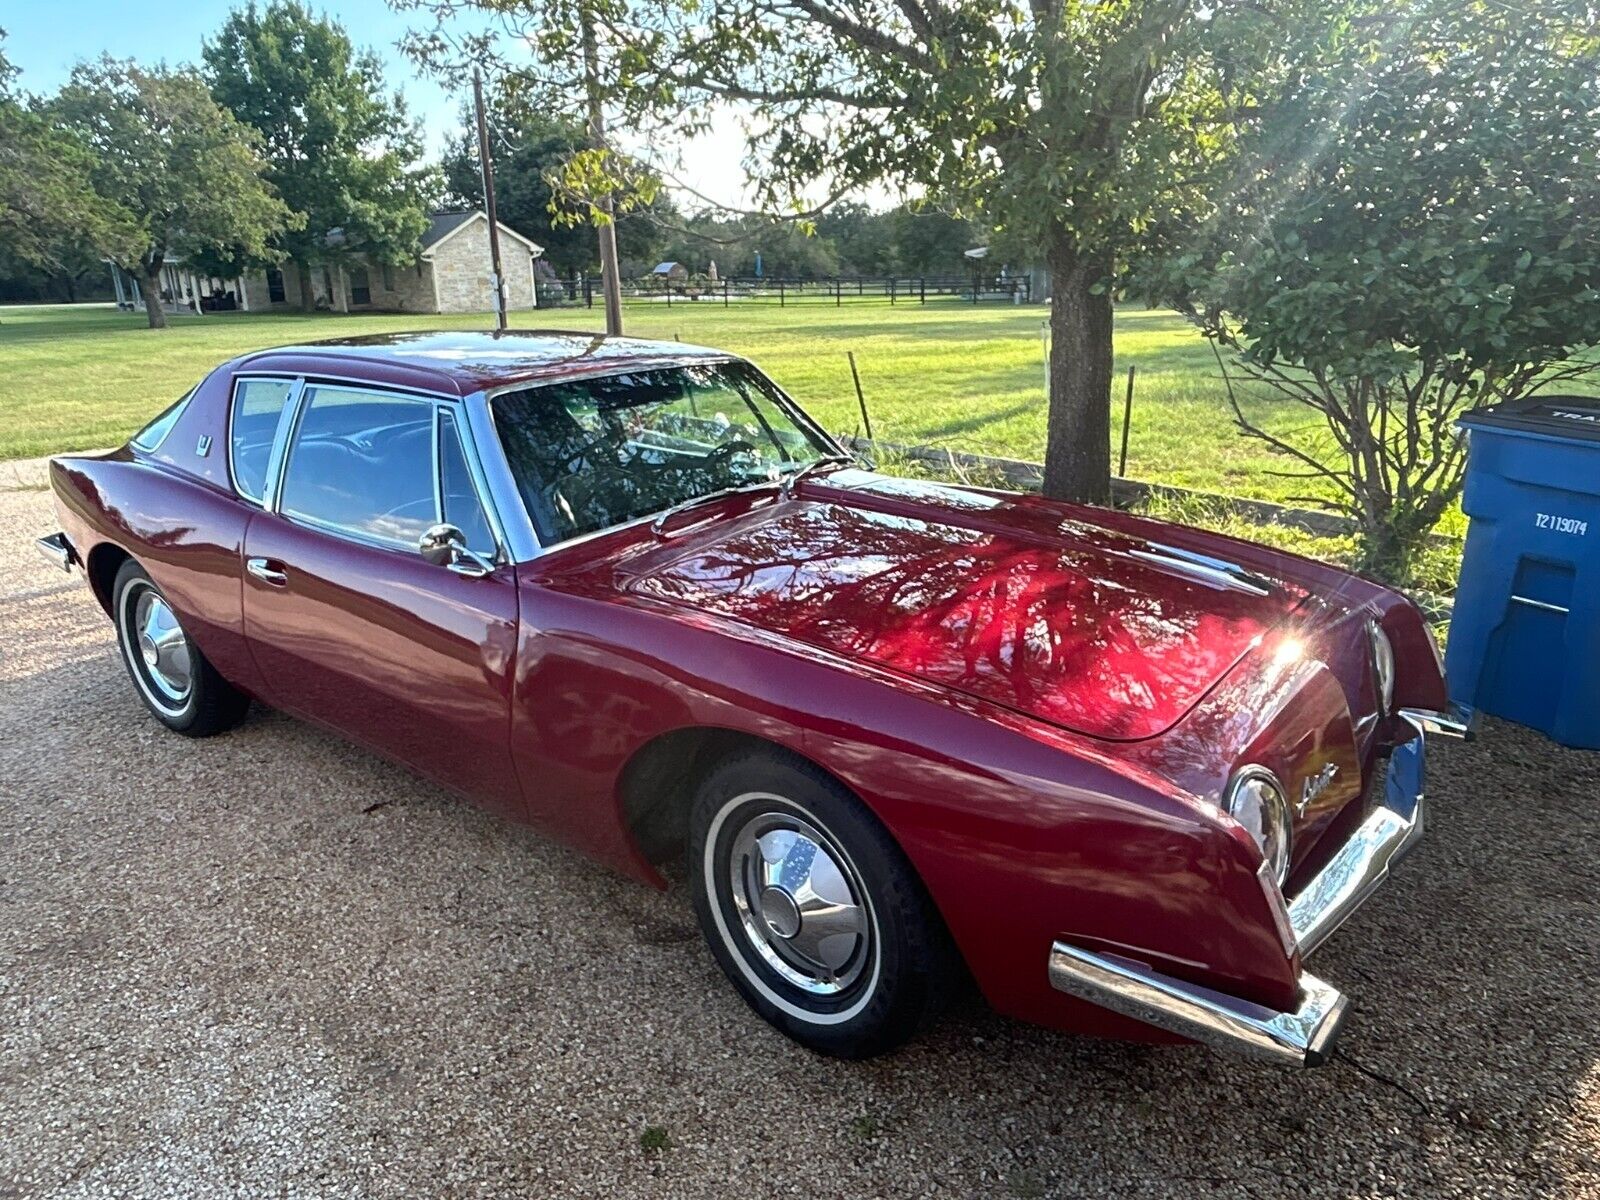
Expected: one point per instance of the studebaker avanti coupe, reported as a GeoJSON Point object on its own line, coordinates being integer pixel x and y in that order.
{"type": "Point", "coordinates": [1126, 774]}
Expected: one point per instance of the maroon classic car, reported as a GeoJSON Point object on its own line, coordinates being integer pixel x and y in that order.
{"type": "Point", "coordinates": [1126, 774]}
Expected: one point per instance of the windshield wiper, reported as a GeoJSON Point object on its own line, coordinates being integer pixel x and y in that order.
{"type": "Point", "coordinates": [786, 488]}
{"type": "Point", "coordinates": [673, 510]}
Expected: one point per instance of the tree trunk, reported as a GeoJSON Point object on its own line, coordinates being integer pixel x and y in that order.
{"type": "Point", "coordinates": [150, 292]}
{"type": "Point", "coordinates": [1077, 460]}
{"type": "Point", "coordinates": [308, 298]}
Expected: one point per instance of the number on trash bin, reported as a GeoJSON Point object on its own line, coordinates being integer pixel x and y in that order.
{"type": "Point", "coordinates": [1561, 524]}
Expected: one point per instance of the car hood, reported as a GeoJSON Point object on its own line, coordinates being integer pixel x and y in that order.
{"type": "Point", "coordinates": [1013, 600]}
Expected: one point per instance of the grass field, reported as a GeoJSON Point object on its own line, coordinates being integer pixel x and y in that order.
{"type": "Point", "coordinates": [967, 377]}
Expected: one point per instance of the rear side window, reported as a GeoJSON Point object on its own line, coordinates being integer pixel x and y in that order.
{"type": "Point", "coordinates": [257, 405]}
{"type": "Point", "coordinates": [362, 463]}
{"type": "Point", "coordinates": [153, 434]}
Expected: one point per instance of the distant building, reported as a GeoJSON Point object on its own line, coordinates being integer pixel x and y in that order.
{"type": "Point", "coordinates": [672, 272]}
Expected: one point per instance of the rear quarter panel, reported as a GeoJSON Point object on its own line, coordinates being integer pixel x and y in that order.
{"type": "Point", "coordinates": [175, 512]}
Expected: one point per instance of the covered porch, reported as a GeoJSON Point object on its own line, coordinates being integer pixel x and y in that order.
{"type": "Point", "coordinates": [184, 292]}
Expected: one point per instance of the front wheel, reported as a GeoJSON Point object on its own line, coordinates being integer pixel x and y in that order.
{"type": "Point", "coordinates": [812, 910]}
{"type": "Point", "coordinates": [174, 679]}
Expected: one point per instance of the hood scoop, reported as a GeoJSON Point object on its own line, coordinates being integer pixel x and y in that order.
{"type": "Point", "coordinates": [1110, 635]}
{"type": "Point", "coordinates": [1217, 572]}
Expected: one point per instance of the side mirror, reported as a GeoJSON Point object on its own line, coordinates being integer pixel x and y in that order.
{"type": "Point", "coordinates": [444, 545]}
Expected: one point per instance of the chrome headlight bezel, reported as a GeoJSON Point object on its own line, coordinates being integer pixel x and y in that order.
{"type": "Point", "coordinates": [1257, 800]}
{"type": "Point", "coordinates": [1383, 666]}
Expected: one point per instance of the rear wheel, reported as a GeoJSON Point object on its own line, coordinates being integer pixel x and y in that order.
{"type": "Point", "coordinates": [175, 681]}
{"type": "Point", "coordinates": [812, 910]}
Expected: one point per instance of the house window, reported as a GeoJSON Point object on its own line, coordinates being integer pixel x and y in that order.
{"type": "Point", "coordinates": [360, 286]}
{"type": "Point", "coordinates": [388, 278]}
{"type": "Point", "coordinates": [274, 286]}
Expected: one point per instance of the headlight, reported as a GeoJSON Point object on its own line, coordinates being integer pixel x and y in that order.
{"type": "Point", "coordinates": [1255, 799]}
{"type": "Point", "coordinates": [1382, 667]}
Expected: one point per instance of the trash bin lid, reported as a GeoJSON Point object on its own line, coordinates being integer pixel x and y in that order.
{"type": "Point", "coordinates": [1575, 418]}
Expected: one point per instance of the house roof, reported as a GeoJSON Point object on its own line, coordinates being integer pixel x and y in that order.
{"type": "Point", "coordinates": [442, 224]}
{"type": "Point", "coordinates": [445, 225]}
{"type": "Point", "coordinates": [464, 362]}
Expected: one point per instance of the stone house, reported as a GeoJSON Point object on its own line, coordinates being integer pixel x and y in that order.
{"type": "Point", "coordinates": [451, 275]}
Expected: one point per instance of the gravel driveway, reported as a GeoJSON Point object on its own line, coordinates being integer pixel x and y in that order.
{"type": "Point", "coordinates": [270, 963]}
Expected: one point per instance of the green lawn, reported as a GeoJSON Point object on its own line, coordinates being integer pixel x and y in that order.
{"type": "Point", "coordinates": [971, 378]}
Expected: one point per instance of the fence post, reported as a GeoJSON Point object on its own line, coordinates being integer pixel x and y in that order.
{"type": "Point", "coordinates": [588, 291]}
{"type": "Point", "coordinates": [724, 293]}
{"type": "Point", "coordinates": [669, 293]}
{"type": "Point", "coordinates": [861, 399]}
{"type": "Point", "coordinates": [923, 282]}
{"type": "Point", "coordinates": [838, 296]}
{"type": "Point", "coordinates": [891, 291]}
{"type": "Point", "coordinates": [780, 292]}
{"type": "Point", "coordinates": [1127, 419]}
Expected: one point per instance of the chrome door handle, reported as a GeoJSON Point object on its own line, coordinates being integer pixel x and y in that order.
{"type": "Point", "coordinates": [259, 568]}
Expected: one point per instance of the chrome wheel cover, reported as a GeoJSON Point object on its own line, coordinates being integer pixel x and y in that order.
{"type": "Point", "coordinates": [800, 904]}
{"type": "Point", "coordinates": [157, 647]}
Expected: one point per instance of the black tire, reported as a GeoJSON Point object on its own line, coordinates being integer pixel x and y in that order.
{"type": "Point", "coordinates": [207, 703]}
{"type": "Point", "coordinates": [897, 974]}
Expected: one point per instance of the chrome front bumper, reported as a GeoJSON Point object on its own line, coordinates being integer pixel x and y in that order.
{"type": "Point", "coordinates": [58, 550]}
{"type": "Point", "coordinates": [1303, 1036]}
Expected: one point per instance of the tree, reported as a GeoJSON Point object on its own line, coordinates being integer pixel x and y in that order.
{"type": "Point", "coordinates": [1418, 233]}
{"type": "Point", "coordinates": [50, 216]}
{"type": "Point", "coordinates": [530, 147]}
{"type": "Point", "coordinates": [1072, 123]}
{"type": "Point", "coordinates": [185, 171]}
{"type": "Point", "coordinates": [340, 150]}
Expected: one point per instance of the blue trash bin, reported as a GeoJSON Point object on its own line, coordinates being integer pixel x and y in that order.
{"type": "Point", "coordinates": [1525, 635]}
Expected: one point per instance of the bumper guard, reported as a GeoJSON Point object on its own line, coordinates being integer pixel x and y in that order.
{"type": "Point", "coordinates": [1304, 1036]}
{"type": "Point", "coordinates": [58, 550]}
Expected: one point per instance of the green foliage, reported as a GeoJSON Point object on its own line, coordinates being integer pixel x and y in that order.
{"type": "Point", "coordinates": [1073, 126]}
{"type": "Point", "coordinates": [655, 1139]}
{"type": "Point", "coordinates": [185, 171]}
{"type": "Point", "coordinates": [1417, 232]}
{"type": "Point", "coordinates": [51, 218]}
{"type": "Point", "coordinates": [340, 149]}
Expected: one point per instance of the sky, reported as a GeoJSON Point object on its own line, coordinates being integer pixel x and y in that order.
{"type": "Point", "coordinates": [44, 38]}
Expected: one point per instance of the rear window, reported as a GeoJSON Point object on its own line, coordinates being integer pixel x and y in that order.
{"type": "Point", "coordinates": [153, 434]}
{"type": "Point", "coordinates": [257, 407]}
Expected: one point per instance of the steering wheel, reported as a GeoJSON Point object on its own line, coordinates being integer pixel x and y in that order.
{"type": "Point", "coordinates": [727, 450]}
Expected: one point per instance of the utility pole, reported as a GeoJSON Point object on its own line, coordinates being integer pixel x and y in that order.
{"type": "Point", "coordinates": [499, 276]}
{"type": "Point", "coordinates": [610, 272]}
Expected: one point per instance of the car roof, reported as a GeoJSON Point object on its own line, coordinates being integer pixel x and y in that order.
{"type": "Point", "coordinates": [462, 362]}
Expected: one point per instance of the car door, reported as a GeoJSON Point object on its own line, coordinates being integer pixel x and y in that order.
{"type": "Point", "coordinates": [349, 625]}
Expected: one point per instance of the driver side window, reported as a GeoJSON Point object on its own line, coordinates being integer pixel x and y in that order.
{"type": "Point", "coordinates": [362, 463]}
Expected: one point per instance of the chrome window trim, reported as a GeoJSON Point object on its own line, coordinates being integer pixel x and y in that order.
{"type": "Point", "coordinates": [362, 382]}
{"type": "Point", "coordinates": [474, 469]}
{"type": "Point", "coordinates": [277, 461]}
{"type": "Point", "coordinates": [436, 466]}
{"type": "Point", "coordinates": [501, 497]}
{"type": "Point", "coordinates": [503, 485]}
{"type": "Point", "coordinates": [296, 386]}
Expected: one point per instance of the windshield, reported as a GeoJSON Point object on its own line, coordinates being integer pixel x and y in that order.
{"type": "Point", "coordinates": [593, 453]}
